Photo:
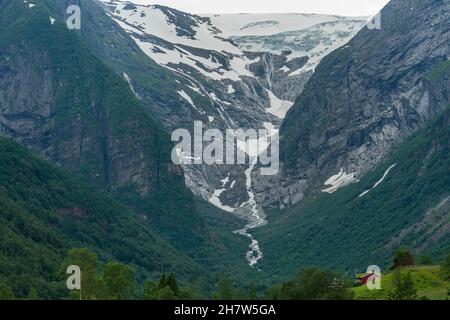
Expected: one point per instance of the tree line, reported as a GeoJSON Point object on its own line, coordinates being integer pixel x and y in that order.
{"type": "Point", "coordinates": [117, 281]}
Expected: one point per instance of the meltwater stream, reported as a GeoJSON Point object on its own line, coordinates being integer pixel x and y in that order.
{"type": "Point", "coordinates": [249, 210]}
{"type": "Point", "coordinates": [256, 217]}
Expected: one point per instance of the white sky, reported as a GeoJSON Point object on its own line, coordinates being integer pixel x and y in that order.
{"type": "Point", "coordinates": [341, 7]}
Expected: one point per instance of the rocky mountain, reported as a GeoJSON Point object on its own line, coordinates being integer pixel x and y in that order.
{"type": "Point", "coordinates": [232, 81]}
{"type": "Point", "coordinates": [45, 211]}
{"type": "Point", "coordinates": [364, 138]}
{"type": "Point", "coordinates": [364, 99]}
{"type": "Point", "coordinates": [365, 150]}
{"type": "Point", "coordinates": [62, 100]}
{"type": "Point", "coordinates": [230, 71]}
{"type": "Point", "coordinates": [284, 42]}
{"type": "Point", "coordinates": [402, 202]}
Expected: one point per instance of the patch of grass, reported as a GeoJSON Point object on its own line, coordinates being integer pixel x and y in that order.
{"type": "Point", "coordinates": [428, 282]}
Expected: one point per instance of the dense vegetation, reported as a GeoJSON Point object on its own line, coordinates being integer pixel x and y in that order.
{"type": "Point", "coordinates": [44, 212]}
{"type": "Point", "coordinates": [344, 231]}
{"type": "Point", "coordinates": [117, 281]}
{"type": "Point", "coordinates": [94, 104]}
{"type": "Point", "coordinates": [94, 107]}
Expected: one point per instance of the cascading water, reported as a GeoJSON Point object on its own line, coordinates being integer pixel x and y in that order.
{"type": "Point", "coordinates": [256, 217]}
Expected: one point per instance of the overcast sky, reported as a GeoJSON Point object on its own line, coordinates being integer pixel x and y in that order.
{"type": "Point", "coordinates": [341, 7]}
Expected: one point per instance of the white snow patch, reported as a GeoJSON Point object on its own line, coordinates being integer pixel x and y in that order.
{"type": "Point", "coordinates": [186, 97]}
{"type": "Point", "coordinates": [125, 26]}
{"type": "Point", "coordinates": [270, 127]}
{"type": "Point", "coordinates": [213, 96]}
{"type": "Point", "coordinates": [285, 69]}
{"type": "Point", "coordinates": [379, 181]}
{"type": "Point", "coordinates": [151, 20]}
{"type": "Point", "coordinates": [278, 107]}
{"type": "Point", "coordinates": [211, 119]}
{"type": "Point", "coordinates": [225, 180]}
{"type": "Point", "coordinates": [266, 24]}
{"type": "Point", "coordinates": [230, 89]}
{"type": "Point", "coordinates": [215, 198]}
{"type": "Point", "coordinates": [127, 78]}
{"type": "Point", "coordinates": [52, 20]}
{"type": "Point", "coordinates": [206, 67]}
{"type": "Point", "coordinates": [340, 180]}
{"type": "Point", "coordinates": [195, 89]}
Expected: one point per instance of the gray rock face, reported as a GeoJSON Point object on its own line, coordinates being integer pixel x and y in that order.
{"type": "Point", "coordinates": [273, 69]}
{"type": "Point", "coordinates": [67, 105]}
{"type": "Point", "coordinates": [223, 80]}
{"type": "Point", "coordinates": [53, 105]}
{"type": "Point", "coordinates": [363, 100]}
{"type": "Point", "coordinates": [24, 103]}
{"type": "Point", "coordinates": [31, 113]}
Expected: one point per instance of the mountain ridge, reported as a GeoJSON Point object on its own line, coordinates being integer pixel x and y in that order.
{"type": "Point", "coordinates": [364, 223]}
{"type": "Point", "coordinates": [363, 99]}
{"type": "Point", "coordinates": [90, 122]}
{"type": "Point", "coordinates": [224, 85]}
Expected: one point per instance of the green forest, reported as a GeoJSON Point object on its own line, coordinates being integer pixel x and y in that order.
{"type": "Point", "coordinates": [409, 278]}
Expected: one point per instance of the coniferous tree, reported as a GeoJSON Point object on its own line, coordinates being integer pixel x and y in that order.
{"type": "Point", "coordinates": [172, 283]}
{"type": "Point", "coordinates": [166, 293]}
{"type": "Point", "coordinates": [162, 282]}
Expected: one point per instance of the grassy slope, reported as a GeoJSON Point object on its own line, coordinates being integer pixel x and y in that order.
{"type": "Point", "coordinates": [427, 280]}
{"type": "Point", "coordinates": [345, 231]}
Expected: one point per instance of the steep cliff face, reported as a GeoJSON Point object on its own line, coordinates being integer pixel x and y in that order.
{"type": "Point", "coordinates": [403, 202]}
{"type": "Point", "coordinates": [364, 99]}
{"type": "Point", "coordinates": [229, 71]}
{"type": "Point", "coordinates": [64, 103]}
{"type": "Point", "coordinates": [228, 85]}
